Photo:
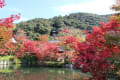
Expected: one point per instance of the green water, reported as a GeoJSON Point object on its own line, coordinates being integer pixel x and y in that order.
{"type": "Point", "coordinates": [41, 74]}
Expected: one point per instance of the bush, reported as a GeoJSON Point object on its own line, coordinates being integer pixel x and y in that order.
{"type": "Point", "coordinates": [52, 64]}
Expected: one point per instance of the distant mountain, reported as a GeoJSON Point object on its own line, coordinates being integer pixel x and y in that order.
{"type": "Point", "coordinates": [83, 21]}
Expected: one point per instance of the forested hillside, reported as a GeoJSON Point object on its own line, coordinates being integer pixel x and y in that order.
{"type": "Point", "coordinates": [83, 21]}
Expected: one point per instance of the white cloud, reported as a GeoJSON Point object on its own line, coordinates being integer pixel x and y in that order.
{"type": "Point", "coordinates": [21, 19]}
{"type": "Point", "coordinates": [17, 10]}
{"type": "Point", "coordinates": [96, 6]}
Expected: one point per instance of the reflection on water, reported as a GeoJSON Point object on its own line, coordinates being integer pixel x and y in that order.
{"type": "Point", "coordinates": [40, 74]}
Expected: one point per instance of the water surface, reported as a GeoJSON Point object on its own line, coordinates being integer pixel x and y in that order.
{"type": "Point", "coordinates": [41, 74]}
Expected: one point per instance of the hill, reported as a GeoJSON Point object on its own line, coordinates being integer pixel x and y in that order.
{"type": "Point", "coordinates": [83, 21]}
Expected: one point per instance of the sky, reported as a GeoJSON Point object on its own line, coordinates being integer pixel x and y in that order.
{"type": "Point", "coordinates": [31, 9]}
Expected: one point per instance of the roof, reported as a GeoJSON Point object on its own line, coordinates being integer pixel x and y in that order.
{"type": "Point", "coordinates": [60, 49]}
{"type": "Point", "coordinates": [53, 41]}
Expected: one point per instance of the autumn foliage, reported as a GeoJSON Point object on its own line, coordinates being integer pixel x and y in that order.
{"type": "Point", "coordinates": [6, 26]}
{"type": "Point", "coordinates": [2, 3]}
{"type": "Point", "coordinates": [43, 38]}
{"type": "Point", "coordinates": [101, 44]}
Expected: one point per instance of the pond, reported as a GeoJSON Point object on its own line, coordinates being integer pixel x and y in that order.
{"type": "Point", "coordinates": [40, 73]}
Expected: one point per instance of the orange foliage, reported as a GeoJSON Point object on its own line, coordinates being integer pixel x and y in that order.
{"type": "Point", "coordinates": [43, 38]}
{"type": "Point", "coordinates": [5, 35]}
